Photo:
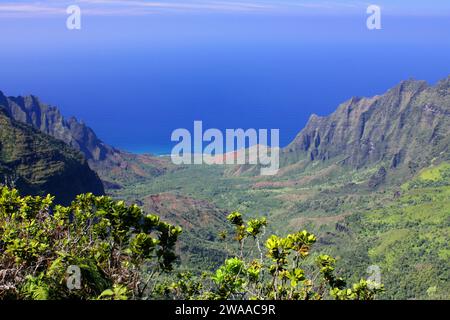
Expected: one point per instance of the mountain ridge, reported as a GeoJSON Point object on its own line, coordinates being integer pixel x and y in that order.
{"type": "Point", "coordinates": [407, 126]}
{"type": "Point", "coordinates": [404, 128]}
{"type": "Point", "coordinates": [114, 166]}
{"type": "Point", "coordinates": [38, 164]}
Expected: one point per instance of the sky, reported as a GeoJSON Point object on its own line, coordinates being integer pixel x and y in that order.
{"type": "Point", "coordinates": [137, 70]}
{"type": "Point", "coordinates": [141, 7]}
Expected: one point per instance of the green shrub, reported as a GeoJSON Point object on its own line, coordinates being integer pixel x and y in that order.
{"type": "Point", "coordinates": [117, 249]}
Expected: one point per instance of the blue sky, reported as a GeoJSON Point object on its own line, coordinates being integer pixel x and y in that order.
{"type": "Point", "coordinates": [31, 8]}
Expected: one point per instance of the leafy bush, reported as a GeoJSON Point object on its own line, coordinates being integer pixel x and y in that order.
{"type": "Point", "coordinates": [283, 271]}
{"type": "Point", "coordinates": [117, 249]}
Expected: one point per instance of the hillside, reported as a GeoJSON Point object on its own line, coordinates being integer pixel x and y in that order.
{"type": "Point", "coordinates": [201, 222]}
{"type": "Point", "coordinates": [38, 164]}
{"type": "Point", "coordinates": [113, 166]}
{"type": "Point", "coordinates": [403, 129]}
{"type": "Point", "coordinates": [408, 237]}
{"type": "Point", "coordinates": [349, 194]}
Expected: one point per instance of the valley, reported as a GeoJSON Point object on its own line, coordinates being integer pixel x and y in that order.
{"type": "Point", "coordinates": [369, 205]}
{"type": "Point", "coordinates": [371, 180]}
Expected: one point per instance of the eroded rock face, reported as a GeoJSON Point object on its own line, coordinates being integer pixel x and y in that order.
{"type": "Point", "coordinates": [38, 164]}
{"type": "Point", "coordinates": [109, 162]}
{"type": "Point", "coordinates": [408, 124]}
{"type": "Point", "coordinates": [48, 119]}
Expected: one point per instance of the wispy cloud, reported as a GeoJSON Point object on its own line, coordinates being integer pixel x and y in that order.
{"type": "Point", "coordinates": [28, 8]}
{"type": "Point", "coordinates": [123, 7]}
{"type": "Point", "coordinates": [141, 7]}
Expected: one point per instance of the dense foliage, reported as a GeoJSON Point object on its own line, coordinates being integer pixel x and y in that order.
{"type": "Point", "coordinates": [38, 164]}
{"type": "Point", "coordinates": [408, 238]}
{"type": "Point", "coordinates": [118, 252]}
{"type": "Point", "coordinates": [116, 248]}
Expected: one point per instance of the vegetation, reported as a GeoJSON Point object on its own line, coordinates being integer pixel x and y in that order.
{"type": "Point", "coordinates": [402, 229]}
{"type": "Point", "coordinates": [117, 252]}
{"type": "Point", "coordinates": [408, 237]}
{"type": "Point", "coordinates": [38, 164]}
{"type": "Point", "coordinates": [353, 178]}
{"type": "Point", "coordinates": [281, 271]}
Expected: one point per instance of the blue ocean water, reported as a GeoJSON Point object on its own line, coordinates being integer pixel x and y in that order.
{"type": "Point", "coordinates": [135, 80]}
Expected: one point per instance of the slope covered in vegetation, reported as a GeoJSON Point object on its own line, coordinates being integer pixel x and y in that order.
{"type": "Point", "coordinates": [39, 164]}
{"type": "Point", "coordinates": [408, 238]}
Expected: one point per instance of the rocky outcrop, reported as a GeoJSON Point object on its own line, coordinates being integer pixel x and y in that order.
{"type": "Point", "coordinates": [38, 164]}
{"type": "Point", "coordinates": [407, 126]}
{"type": "Point", "coordinates": [111, 164]}
{"type": "Point", "coordinates": [48, 119]}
